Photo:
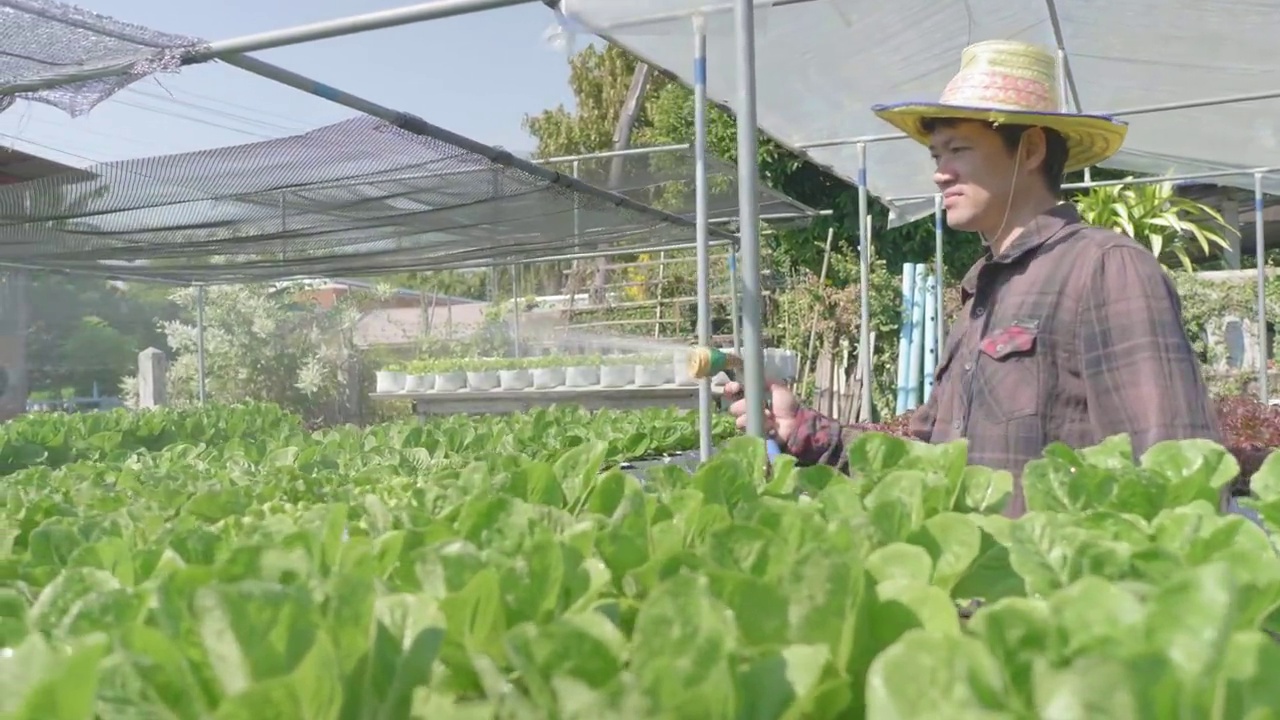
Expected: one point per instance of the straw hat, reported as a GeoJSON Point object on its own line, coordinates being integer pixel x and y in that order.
{"type": "Point", "coordinates": [1012, 83]}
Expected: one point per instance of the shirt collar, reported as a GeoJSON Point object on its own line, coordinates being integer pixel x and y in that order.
{"type": "Point", "coordinates": [1040, 230]}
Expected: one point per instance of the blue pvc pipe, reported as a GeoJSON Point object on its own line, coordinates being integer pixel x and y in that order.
{"type": "Point", "coordinates": [904, 337]}
{"type": "Point", "coordinates": [914, 370]}
{"type": "Point", "coordinates": [930, 333]}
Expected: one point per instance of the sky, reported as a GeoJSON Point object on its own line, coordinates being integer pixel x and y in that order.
{"type": "Point", "coordinates": [477, 75]}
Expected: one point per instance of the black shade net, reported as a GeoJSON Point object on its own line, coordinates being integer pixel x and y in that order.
{"type": "Point", "coordinates": [664, 178]}
{"type": "Point", "coordinates": [358, 197]}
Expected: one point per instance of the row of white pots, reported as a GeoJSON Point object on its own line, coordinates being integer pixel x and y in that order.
{"type": "Point", "coordinates": [581, 376]}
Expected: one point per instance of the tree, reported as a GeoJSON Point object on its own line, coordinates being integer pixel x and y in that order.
{"type": "Point", "coordinates": [262, 344]}
{"type": "Point", "coordinates": [79, 327]}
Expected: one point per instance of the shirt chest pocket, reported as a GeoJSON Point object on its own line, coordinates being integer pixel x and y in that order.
{"type": "Point", "coordinates": [1007, 382]}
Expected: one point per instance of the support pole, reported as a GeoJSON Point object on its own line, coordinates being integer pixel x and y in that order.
{"type": "Point", "coordinates": [702, 214]}
{"type": "Point", "coordinates": [864, 277]}
{"type": "Point", "coordinates": [515, 304]}
{"type": "Point", "coordinates": [735, 301]}
{"type": "Point", "coordinates": [1260, 253]}
{"type": "Point", "coordinates": [748, 219]}
{"type": "Point", "coordinates": [201, 383]}
{"type": "Point", "coordinates": [940, 324]}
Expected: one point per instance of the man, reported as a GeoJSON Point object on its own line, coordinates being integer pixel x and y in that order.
{"type": "Point", "coordinates": [1068, 332]}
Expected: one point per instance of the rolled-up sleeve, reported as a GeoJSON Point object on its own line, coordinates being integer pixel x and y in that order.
{"type": "Point", "coordinates": [1141, 374]}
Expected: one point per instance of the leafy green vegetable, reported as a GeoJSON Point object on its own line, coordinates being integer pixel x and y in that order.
{"type": "Point", "coordinates": [228, 564]}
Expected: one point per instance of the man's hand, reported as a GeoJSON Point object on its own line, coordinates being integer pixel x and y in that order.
{"type": "Point", "coordinates": [779, 419]}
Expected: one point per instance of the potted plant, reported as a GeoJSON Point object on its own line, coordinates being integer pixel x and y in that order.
{"type": "Point", "coordinates": [513, 375]}
{"type": "Point", "coordinates": [390, 379]}
{"type": "Point", "coordinates": [548, 372]}
{"type": "Point", "coordinates": [653, 371]}
{"type": "Point", "coordinates": [482, 374]}
{"type": "Point", "coordinates": [617, 371]}
{"type": "Point", "coordinates": [420, 376]}
{"type": "Point", "coordinates": [450, 375]}
{"type": "Point", "coordinates": [582, 371]}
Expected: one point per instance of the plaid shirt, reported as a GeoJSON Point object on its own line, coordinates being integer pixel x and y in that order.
{"type": "Point", "coordinates": [1073, 334]}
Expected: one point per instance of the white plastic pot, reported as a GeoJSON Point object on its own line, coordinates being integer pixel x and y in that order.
{"type": "Point", "coordinates": [389, 381]}
{"type": "Point", "coordinates": [419, 383]}
{"type": "Point", "coordinates": [450, 381]}
{"type": "Point", "coordinates": [482, 379]}
{"type": "Point", "coordinates": [515, 379]}
{"type": "Point", "coordinates": [582, 376]}
{"type": "Point", "coordinates": [652, 375]}
{"type": "Point", "coordinates": [548, 378]}
{"type": "Point", "coordinates": [615, 376]}
{"type": "Point", "coordinates": [680, 369]}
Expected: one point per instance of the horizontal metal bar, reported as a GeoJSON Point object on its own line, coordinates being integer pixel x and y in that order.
{"type": "Point", "coordinates": [280, 38]}
{"type": "Point", "coordinates": [617, 153]}
{"type": "Point", "coordinates": [1140, 110]}
{"type": "Point", "coordinates": [1173, 178]}
{"type": "Point", "coordinates": [683, 15]}
{"type": "Point", "coordinates": [586, 255]}
{"type": "Point", "coordinates": [860, 140]}
{"type": "Point", "coordinates": [1146, 180]}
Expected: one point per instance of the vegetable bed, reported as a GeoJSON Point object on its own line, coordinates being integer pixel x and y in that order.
{"type": "Point", "coordinates": [228, 564]}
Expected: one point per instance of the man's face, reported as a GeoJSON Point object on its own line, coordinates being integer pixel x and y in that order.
{"type": "Point", "coordinates": [975, 174]}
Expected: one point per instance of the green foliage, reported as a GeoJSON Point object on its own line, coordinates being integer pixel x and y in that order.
{"type": "Point", "coordinates": [262, 344]}
{"type": "Point", "coordinates": [86, 330]}
{"type": "Point", "coordinates": [1153, 214]}
{"type": "Point", "coordinates": [504, 568]}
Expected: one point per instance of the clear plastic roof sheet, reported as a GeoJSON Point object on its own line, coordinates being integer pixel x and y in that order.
{"type": "Point", "coordinates": [822, 64]}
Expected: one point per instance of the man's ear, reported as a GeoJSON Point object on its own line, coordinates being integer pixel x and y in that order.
{"type": "Point", "coordinates": [1034, 147]}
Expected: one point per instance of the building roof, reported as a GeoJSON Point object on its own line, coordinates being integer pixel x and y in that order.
{"type": "Point", "coordinates": [17, 166]}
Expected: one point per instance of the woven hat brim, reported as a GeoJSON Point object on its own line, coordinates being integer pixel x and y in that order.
{"type": "Point", "coordinates": [1090, 139]}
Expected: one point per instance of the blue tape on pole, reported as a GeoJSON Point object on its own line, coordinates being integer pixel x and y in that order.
{"type": "Point", "coordinates": [700, 71]}
{"type": "Point", "coordinates": [937, 222]}
{"type": "Point", "coordinates": [862, 177]}
{"type": "Point", "coordinates": [1257, 204]}
{"type": "Point", "coordinates": [733, 263]}
{"type": "Point", "coordinates": [328, 92]}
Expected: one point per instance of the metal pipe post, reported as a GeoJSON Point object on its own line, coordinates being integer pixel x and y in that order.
{"type": "Point", "coordinates": [701, 214]}
{"type": "Point", "coordinates": [748, 219]}
{"type": "Point", "coordinates": [864, 278]}
{"type": "Point", "coordinates": [940, 325]}
{"type": "Point", "coordinates": [735, 301]}
{"type": "Point", "coordinates": [515, 303]}
{"type": "Point", "coordinates": [200, 367]}
{"type": "Point", "coordinates": [1260, 253]}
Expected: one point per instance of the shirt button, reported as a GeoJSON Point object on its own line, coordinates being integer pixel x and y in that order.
{"type": "Point", "coordinates": [980, 311]}
{"type": "Point", "coordinates": [968, 367]}
{"type": "Point", "coordinates": [1000, 348]}
{"type": "Point", "coordinates": [955, 425]}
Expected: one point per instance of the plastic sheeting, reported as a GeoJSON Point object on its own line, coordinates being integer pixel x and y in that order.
{"type": "Point", "coordinates": [45, 41]}
{"type": "Point", "coordinates": [821, 65]}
